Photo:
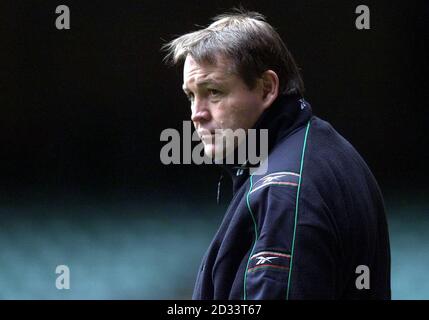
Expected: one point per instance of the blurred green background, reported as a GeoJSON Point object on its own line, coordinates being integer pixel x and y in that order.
{"type": "Point", "coordinates": [152, 249]}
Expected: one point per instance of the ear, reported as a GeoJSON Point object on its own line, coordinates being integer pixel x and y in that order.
{"type": "Point", "coordinates": [270, 88]}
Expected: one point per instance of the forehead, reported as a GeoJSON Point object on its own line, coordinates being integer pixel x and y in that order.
{"type": "Point", "coordinates": [195, 73]}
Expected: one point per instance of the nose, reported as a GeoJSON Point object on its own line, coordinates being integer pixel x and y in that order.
{"type": "Point", "coordinates": [200, 111]}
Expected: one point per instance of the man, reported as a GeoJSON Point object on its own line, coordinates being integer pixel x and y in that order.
{"type": "Point", "coordinates": [313, 225]}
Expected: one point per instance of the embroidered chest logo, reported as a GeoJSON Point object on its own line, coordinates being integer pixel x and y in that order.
{"type": "Point", "coordinates": [269, 260]}
{"type": "Point", "coordinates": [269, 179]}
{"type": "Point", "coordinates": [265, 259]}
{"type": "Point", "coordinates": [283, 178]}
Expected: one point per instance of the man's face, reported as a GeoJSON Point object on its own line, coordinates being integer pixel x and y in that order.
{"type": "Point", "coordinates": [219, 100]}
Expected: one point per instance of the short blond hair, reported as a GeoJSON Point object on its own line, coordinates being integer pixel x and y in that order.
{"type": "Point", "coordinates": [248, 40]}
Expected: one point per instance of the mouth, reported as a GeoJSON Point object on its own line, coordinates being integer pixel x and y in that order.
{"type": "Point", "coordinates": [210, 137]}
{"type": "Point", "coordinates": [207, 138]}
{"type": "Point", "coordinates": [204, 133]}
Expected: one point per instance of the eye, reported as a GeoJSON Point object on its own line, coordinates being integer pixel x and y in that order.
{"type": "Point", "coordinates": [214, 92]}
{"type": "Point", "coordinates": [190, 96]}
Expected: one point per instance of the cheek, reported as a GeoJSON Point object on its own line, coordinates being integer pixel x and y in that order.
{"type": "Point", "coordinates": [223, 113]}
{"type": "Point", "coordinates": [240, 112]}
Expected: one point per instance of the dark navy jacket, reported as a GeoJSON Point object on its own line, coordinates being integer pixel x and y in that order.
{"type": "Point", "coordinates": [302, 229]}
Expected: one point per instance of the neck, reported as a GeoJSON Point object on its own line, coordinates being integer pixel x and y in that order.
{"type": "Point", "coordinates": [283, 116]}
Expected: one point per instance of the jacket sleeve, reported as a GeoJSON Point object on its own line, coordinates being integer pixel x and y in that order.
{"type": "Point", "coordinates": [294, 254]}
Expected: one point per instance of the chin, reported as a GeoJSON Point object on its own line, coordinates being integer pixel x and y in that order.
{"type": "Point", "coordinates": [218, 154]}
{"type": "Point", "coordinates": [214, 152]}
{"type": "Point", "coordinates": [210, 150]}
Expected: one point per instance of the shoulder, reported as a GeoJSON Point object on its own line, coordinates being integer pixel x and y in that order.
{"type": "Point", "coordinates": [313, 154]}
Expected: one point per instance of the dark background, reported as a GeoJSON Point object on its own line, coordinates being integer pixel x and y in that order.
{"type": "Point", "coordinates": [81, 110]}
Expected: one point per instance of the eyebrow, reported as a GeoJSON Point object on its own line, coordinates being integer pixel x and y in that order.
{"type": "Point", "coordinates": [202, 84]}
